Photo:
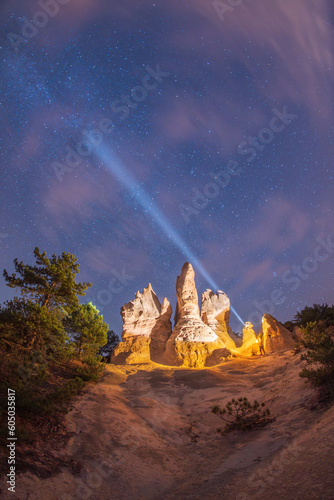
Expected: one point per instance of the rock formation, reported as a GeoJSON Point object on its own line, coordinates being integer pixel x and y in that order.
{"type": "Point", "coordinates": [275, 336]}
{"type": "Point", "coordinates": [249, 344]}
{"type": "Point", "coordinates": [192, 342]}
{"type": "Point", "coordinates": [199, 338]}
{"type": "Point", "coordinates": [146, 328]}
{"type": "Point", "coordinates": [215, 312]}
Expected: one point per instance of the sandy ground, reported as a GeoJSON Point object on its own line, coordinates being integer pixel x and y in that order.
{"type": "Point", "coordinates": [148, 433]}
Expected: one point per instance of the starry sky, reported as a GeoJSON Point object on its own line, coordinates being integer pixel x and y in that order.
{"type": "Point", "coordinates": [139, 135]}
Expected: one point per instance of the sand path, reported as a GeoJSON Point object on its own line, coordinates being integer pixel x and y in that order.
{"type": "Point", "coordinates": [147, 433]}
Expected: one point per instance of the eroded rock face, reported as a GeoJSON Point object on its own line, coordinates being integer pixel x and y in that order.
{"type": "Point", "coordinates": [215, 312]}
{"type": "Point", "coordinates": [189, 326]}
{"type": "Point", "coordinates": [192, 342]}
{"type": "Point", "coordinates": [249, 344]}
{"type": "Point", "coordinates": [146, 328]}
{"type": "Point", "coordinates": [199, 338]}
{"type": "Point", "coordinates": [146, 316]}
{"type": "Point", "coordinates": [186, 293]}
{"type": "Point", "coordinates": [133, 350]}
{"type": "Point", "coordinates": [275, 336]}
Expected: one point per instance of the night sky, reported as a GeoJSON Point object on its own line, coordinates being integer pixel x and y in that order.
{"type": "Point", "coordinates": [205, 134]}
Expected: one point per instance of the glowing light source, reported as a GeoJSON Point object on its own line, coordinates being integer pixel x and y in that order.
{"type": "Point", "coordinates": [126, 179]}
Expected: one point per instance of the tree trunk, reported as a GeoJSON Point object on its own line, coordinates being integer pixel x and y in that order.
{"type": "Point", "coordinates": [47, 296]}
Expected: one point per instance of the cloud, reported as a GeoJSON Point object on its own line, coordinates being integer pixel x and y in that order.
{"type": "Point", "coordinates": [294, 40]}
{"type": "Point", "coordinates": [80, 195]}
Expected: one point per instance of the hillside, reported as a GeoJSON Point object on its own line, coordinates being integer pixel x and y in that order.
{"type": "Point", "coordinates": [146, 432]}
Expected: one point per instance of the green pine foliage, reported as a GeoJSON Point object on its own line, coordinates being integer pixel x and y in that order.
{"type": "Point", "coordinates": [48, 341]}
{"type": "Point", "coordinates": [87, 330]}
{"type": "Point", "coordinates": [91, 369]}
{"type": "Point", "coordinates": [27, 326]}
{"type": "Point", "coordinates": [50, 282]}
{"type": "Point", "coordinates": [319, 342]}
{"type": "Point", "coordinates": [315, 313]}
{"type": "Point", "coordinates": [241, 414]}
{"type": "Point", "coordinates": [107, 349]}
{"type": "Point", "coordinates": [289, 325]}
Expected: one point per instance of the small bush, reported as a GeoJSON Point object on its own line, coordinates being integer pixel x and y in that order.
{"type": "Point", "coordinates": [26, 402]}
{"type": "Point", "coordinates": [297, 348]}
{"type": "Point", "coordinates": [69, 389]}
{"type": "Point", "coordinates": [91, 369]}
{"type": "Point", "coordinates": [240, 414]}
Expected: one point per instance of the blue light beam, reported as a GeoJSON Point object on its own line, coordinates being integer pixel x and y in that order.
{"type": "Point", "coordinates": [126, 179]}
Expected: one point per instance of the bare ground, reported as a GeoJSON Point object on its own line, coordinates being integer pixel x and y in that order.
{"type": "Point", "coordinates": [146, 432]}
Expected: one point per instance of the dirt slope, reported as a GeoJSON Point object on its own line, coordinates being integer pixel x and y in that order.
{"type": "Point", "coordinates": [147, 433]}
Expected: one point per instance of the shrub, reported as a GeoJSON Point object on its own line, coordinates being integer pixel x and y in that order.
{"type": "Point", "coordinates": [69, 389]}
{"type": "Point", "coordinates": [44, 405]}
{"type": "Point", "coordinates": [91, 369]}
{"type": "Point", "coordinates": [318, 340]}
{"type": "Point", "coordinates": [240, 414]}
{"type": "Point", "coordinates": [318, 312]}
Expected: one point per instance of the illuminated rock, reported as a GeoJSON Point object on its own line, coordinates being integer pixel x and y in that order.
{"type": "Point", "coordinates": [215, 312]}
{"type": "Point", "coordinates": [199, 338]}
{"type": "Point", "coordinates": [193, 343]}
{"type": "Point", "coordinates": [275, 336]}
{"type": "Point", "coordinates": [249, 345]}
{"type": "Point", "coordinates": [146, 329]}
{"type": "Point", "coordinates": [134, 350]}
{"type": "Point", "coordinates": [146, 316]}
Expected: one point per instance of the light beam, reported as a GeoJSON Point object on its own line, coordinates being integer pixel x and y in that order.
{"type": "Point", "coordinates": [126, 179]}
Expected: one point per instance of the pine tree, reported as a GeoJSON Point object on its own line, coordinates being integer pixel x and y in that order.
{"type": "Point", "coordinates": [319, 342]}
{"type": "Point", "coordinates": [86, 328]}
{"type": "Point", "coordinates": [107, 349]}
{"type": "Point", "coordinates": [241, 414]}
{"type": "Point", "coordinates": [26, 326]}
{"type": "Point", "coordinates": [51, 282]}
{"type": "Point", "coordinates": [318, 312]}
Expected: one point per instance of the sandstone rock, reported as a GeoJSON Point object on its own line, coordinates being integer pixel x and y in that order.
{"type": "Point", "coordinates": [192, 342]}
{"type": "Point", "coordinates": [275, 336]}
{"type": "Point", "coordinates": [215, 312]}
{"type": "Point", "coordinates": [195, 354]}
{"type": "Point", "coordinates": [199, 339]}
{"type": "Point", "coordinates": [189, 326]}
{"type": "Point", "coordinates": [145, 316]}
{"type": "Point", "coordinates": [134, 350]}
{"type": "Point", "coordinates": [249, 344]}
{"type": "Point", "coordinates": [186, 293]}
{"type": "Point", "coordinates": [161, 332]}
{"type": "Point", "coordinates": [146, 329]}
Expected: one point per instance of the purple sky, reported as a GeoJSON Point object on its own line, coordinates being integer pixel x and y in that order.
{"type": "Point", "coordinates": [225, 79]}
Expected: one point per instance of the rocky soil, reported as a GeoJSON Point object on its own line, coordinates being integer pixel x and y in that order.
{"type": "Point", "coordinates": [146, 432]}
